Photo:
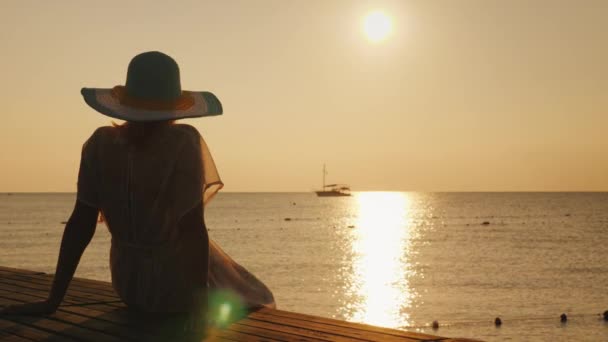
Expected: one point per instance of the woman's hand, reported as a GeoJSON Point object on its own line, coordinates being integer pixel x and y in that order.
{"type": "Point", "coordinates": [44, 307]}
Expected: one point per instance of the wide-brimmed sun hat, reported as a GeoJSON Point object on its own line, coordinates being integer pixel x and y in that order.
{"type": "Point", "coordinates": [152, 92]}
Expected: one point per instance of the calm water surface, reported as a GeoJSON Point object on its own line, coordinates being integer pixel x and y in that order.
{"type": "Point", "coordinates": [393, 259]}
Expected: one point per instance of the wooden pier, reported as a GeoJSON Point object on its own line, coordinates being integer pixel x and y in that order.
{"type": "Point", "coordinates": [91, 311]}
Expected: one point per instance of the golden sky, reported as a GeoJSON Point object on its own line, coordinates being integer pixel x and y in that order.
{"type": "Point", "coordinates": [468, 95]}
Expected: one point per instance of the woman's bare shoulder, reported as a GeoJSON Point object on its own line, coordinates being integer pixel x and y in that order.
{"type": "Point", "coordinates": [186, 128]}
{"type": "Point", "coordinates": [187, 131]}
{"type": "Point", "coordinates": [106, 130]}
{"type": "Point", "coordinates": [101, 133]}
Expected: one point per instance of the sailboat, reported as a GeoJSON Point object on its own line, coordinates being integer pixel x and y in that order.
{"type": "Point", "coordinates": [332, 190]}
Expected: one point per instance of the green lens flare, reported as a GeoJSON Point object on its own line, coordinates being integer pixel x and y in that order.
{"type": "Point", "coordinates": [225, 308]}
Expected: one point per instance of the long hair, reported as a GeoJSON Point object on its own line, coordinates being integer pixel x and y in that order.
{"type": "Point", "coordinates": [138, 132]}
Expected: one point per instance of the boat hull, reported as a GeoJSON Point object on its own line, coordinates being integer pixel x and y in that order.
{"type": "Point", "coordinates": [331, 194]}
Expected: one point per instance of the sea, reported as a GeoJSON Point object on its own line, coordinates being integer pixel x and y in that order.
{"type": "Point", "coordinates": [394, 259]}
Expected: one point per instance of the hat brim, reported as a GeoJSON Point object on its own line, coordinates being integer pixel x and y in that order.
{"type": "Point", "coordinates": [101, 99]}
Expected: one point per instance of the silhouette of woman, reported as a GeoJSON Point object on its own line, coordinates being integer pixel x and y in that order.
{"type": "Point", "coordinates": [151, 179]}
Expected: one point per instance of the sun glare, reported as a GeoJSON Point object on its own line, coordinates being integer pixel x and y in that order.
{"type": "Point", "coordinates": [377, 26]}
{"type": "Point", "coordinates": [381, 243]}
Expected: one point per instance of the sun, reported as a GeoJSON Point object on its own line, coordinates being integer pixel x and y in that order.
{"type": "Point", "coordinates": [377, 26]}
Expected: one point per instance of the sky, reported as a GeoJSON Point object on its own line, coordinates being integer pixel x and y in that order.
{"type": "Point", "coordinates": [468, 95]}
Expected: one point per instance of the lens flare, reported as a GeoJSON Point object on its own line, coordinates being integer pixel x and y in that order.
{"type": "Point", "coordinates": [225, 308]}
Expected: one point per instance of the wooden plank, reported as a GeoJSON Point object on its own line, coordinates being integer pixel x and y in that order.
{"type": "Point", "coordinates": [61, 323]}
{"type": "Point", "coordinates": [324, 332]}
{"type": "Point", "coordinates": [225, 335]}
{"type": "Point", "coordinates": [329, 332]}
{"type": "Point", "coordinates": [13, 270]}
{"type": "Point", "coordinates": [93, 320]}
{"type": "Point", "coordinates": [47, 279]}
{"type": "Point", "coordinates": [67, 303]}
{"type": "Point", "coordinates": [51, 324]}
{"type": "Point", "coordinates": [298, 332]}
{"type": "Point", "coordinates": [73, 293]}
{"type": "Point", "coordinates": [118, 318]}
{"type": "Point", "coordinates": [13, 338]}
{"type": "Point", "coordinates": [345, 324]}
{"type": "Point", "coordinates": [94, 286]}
{"type": "Point", "coordinates": [72, 296]}
{"type": "Point", "coordinates": [265, 334]}
{"type": "Point", "coordinates": [29, 333]}
{"type": "Point", "coordinates": [281, 335]}
{"type": "Point", "coordinates": [11, 328]}
{"type": "Point", "coordinates": [56, 326]}
{"type": "Point", "coordinates": [38, 275]}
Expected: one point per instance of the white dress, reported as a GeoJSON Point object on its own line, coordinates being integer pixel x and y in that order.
{"type": "Point", "coordinates": [143, 190]}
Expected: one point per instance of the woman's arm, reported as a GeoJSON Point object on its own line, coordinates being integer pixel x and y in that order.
{"type": "Point", "coordinates": [77, 234]}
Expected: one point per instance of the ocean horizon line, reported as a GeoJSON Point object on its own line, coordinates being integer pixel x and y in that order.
{"type": "Point", "coordinates": [358, 191]}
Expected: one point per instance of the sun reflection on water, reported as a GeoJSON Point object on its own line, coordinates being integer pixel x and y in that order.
{"type": "Point", "coordinates": [381, 260]}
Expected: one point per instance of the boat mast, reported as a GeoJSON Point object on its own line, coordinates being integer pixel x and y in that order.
{"type": "Point", "coordinates": [324, 173]}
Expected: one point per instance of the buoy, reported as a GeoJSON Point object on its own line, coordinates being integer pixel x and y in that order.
{"type": "Point", "coordinates": [485, 223]}
{"type": "Point", "coordinates": [435, 325]}
{"type": "Point", "coordinates": [606, 315]}
{"type": "Point", "coordinates": [351, 226]}
{"type": "Point", "coordinates": [497, 321]}
{"type": "Point", "coordinates": [563, 318]}
{"type": "Point", "coordinates": [287, 219]}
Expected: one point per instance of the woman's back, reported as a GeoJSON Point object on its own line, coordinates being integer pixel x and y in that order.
{"type": "Point", "coordinates": [144, 179]}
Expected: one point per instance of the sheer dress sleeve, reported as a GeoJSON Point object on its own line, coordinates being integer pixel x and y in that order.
{"type": "Point", "coordinates": [197, 175]}
{"type": "Point", "coordinates": [211, 178]}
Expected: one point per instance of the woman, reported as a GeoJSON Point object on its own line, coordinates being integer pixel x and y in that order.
{"type": "Point", "coordinates": [150, 179]}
